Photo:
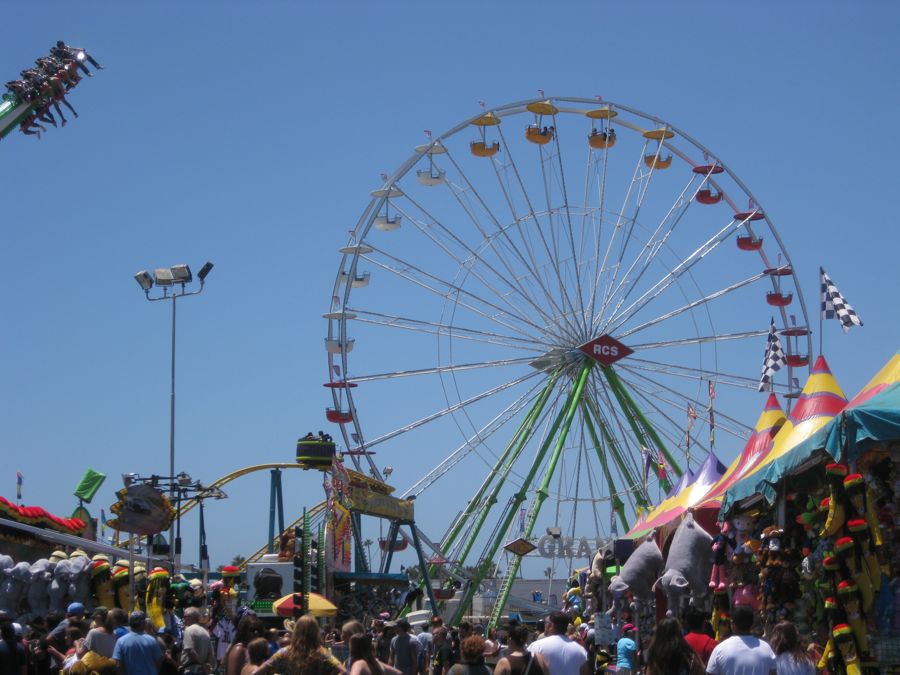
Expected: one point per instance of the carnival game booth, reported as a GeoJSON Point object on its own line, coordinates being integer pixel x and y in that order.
{"type": "Point", "coordinates": [732, 551]}
{"type": "Point", "coordinates": [823, 508]}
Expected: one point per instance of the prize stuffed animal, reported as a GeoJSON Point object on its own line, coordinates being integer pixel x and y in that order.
{"type": "Point", "coordinates": [101, 582]}
{"type": "Point", "coordinates": [722, 547]}
{"type": "Point", "coordinates": [834, 521]}
{"type": "Point", "coordinates": [155, 599]}
{"type": "Point", "coordinates": [639, 572]}
{"type": "Point", "coordinates": [688, 566]}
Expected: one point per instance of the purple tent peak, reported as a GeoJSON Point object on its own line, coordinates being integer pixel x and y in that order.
{"type": "Point", "coordinates": [687, 479]}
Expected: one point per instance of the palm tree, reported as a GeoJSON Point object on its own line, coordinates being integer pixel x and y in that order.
{"type": "Point", "coordinates": [238, 560]}
{"type": "Point", "coordinates": [368, 544]}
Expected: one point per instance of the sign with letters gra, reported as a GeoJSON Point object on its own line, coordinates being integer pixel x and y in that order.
{"type": "Point", "coordinates": [570, 547]}
{"type": "Point", "coordinates": [605, 350]}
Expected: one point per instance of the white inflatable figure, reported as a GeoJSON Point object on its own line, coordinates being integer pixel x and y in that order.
{"type": "Point", "coordinates": [6, 563]}
{"type": "Point", "coordinates": [688, 566]}
{"type": "Point", "coordinates": [7, 602]}
{"type": "Point", "coordinates": [38, 589]}
{"type": "Point", "coordinates": [61, 587]}
{"type": "Point", "coordinates": [19, 579]}
{"type": "Point", "coordinates": [81, 581]}
{"type": "Point", "coordinates": [639, 572]}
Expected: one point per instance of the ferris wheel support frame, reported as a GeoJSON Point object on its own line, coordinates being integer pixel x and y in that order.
{"type": "Point", "coordinates": [627, 402]}
{"type": "Point", "coordinates": [617, 504]}
{"type": "Point", "coordinates": [542, 493]}
{"type": "Point", "coordinates": [497, 476]}
{"type": "Point", "coordinates": [500, 533]}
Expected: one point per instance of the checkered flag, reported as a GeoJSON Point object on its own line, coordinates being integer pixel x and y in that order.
{"type": "Point", "coordinates": [774, 358]}
{"type": "Point", "coordinates": [834, 306]}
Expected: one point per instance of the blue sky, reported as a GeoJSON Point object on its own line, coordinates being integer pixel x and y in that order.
{"type": "Point", "coordinates": [251, 135]}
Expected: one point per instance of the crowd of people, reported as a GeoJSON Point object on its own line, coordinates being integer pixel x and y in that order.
{"type": "Point", "coordinates": [46, 84]}
{"type": "Point", "coordinates": [113, 642]}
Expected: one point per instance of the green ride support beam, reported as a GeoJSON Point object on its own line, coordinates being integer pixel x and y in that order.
{"type": "Point", "coordinates": [611, 442]}
{"type": "Point", "coordinates": [572, 404]}
{"type": "Point", "coordinates": [615, 503]}
{"type": "Point", "coordinates": [626, 401]}
{"type": "Point", "coordinates": [484, 564]}
{"type": "Point", "coordinates": [512, 453]}
{"type": "Point", "coordinates": [501, 467]}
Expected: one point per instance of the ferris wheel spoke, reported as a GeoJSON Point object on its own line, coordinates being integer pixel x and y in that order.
{"type": "Point", "coordinates": [640, 180]}
{"type": "Point", "coordinates": [552, 256]}
{"type": "Point", "coordinates": [443, 329]}
{"type": "Point", "coordinates": [653, 246]}
{"type": "Point", "coordinates": [700, 339]}
{"type": "Point", "coordinates": [450, 409]}
{"type": "Point", "coordinates": [500, 229]}
{"type": "Point", "coordinates": [673, 275]}
{"type": "Point", "coordinates": [438, 370]}
{"type": "Point", "coordinates": [576, 257]}
{"type": "Point", "coordinates": [739, 429]}
{"type": "Point", "coordinates": [470, 443]}
{"type": "Point", "coordinates": [694, 373]}
{"type": "Point", "coordinates": [598, 268]}
{"type": "Point", "coordinates": [404, 269]}
{"type": "Point", "coordinates": [546, 161]}
{"type": "Point", "coordinates": [689, 306]}
{"type": "Point", "coordinates": [473, 256]}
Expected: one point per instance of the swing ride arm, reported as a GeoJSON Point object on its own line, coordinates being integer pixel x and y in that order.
{"type": "Point", "coordinates": [572, 404]}
{"type": "Point", "coordinates": [12, 112]}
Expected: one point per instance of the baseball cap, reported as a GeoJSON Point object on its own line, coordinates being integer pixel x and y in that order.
{"type": "Point", "coordinates": [136, 618]}
{"type": "Point", "coordinates": [627, 627]}
{"type": "Point", "coordinates": [18, 628]}
{"type": "Point", "coordinates": [75, 608]}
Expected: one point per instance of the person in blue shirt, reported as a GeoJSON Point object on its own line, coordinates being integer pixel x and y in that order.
{"type": "Point", "coordinates": [626, 651]}
{"type": "Point", "coordinates": [137, 653]}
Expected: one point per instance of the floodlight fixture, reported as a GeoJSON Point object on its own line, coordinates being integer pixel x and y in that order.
{"type": "Point", "coordinates": [388, 470]}
{"type": "Point", "coordinates": [144, 279]}
{"type": "Point", "coordinates": [181, 274]}
{"type": "Point", "coordinates": [164, 276]}
{"type": "Point", "coordinates": [129, 478]}
{"type": "Point", "coordinates": [554, 532]}
{"type": "Point", "coordinates": [204, 271]}
{"type": "Point", "coordinates": [183, 479]}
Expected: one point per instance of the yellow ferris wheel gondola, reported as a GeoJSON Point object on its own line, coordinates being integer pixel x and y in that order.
{"type": "Point", "coordinates": [540, 133]}
{"type": "Point", "coordinates": [604, 136]}
{"type": "Point", "coordinates": [656, 160]}
{"type": "Point", "coordinates": [481, 148]}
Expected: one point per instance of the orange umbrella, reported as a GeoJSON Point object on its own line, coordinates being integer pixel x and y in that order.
{"type": "Point", "coordinates": [319, 605]}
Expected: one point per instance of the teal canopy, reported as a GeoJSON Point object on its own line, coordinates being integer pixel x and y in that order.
{"type": "Point", "coordinates": [857, 428]}
{"type": "Point", "coordinates": [865, 425]}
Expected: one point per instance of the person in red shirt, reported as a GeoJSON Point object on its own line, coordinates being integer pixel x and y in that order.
{"type": "Point", "coordinates": [700, 642]}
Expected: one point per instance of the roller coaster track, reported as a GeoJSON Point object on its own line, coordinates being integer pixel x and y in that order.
{"type": "Point", "coordinates": [316, 510]}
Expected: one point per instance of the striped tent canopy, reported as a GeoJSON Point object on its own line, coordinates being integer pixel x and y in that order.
{"type": "Point", "coordinates": [819, 402]}
{"type": "Point", "coordinates": [690, 494]}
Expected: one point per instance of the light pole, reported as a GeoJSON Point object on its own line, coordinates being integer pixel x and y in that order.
{"type": "Point", "coordinates": [169, 279]}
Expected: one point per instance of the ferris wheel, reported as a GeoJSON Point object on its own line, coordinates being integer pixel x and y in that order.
{"type": "Point", "coordinates": [540, 314]}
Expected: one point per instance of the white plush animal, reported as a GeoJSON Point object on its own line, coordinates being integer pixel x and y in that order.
{"type": "Point", "coordinates": [688, 565]}
{"type": "Point", "coordinates": [37, 594]}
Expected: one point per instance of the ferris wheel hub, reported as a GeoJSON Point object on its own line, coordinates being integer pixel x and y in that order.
{"type": "Point", "coordinates": [605, 350]}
